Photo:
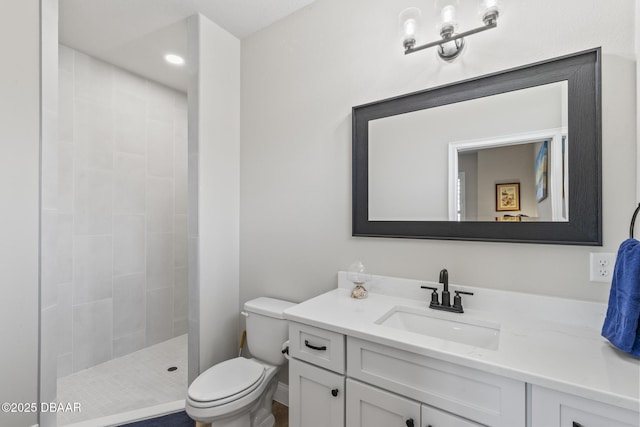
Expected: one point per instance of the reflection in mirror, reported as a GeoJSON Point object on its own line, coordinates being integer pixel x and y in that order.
{"type": "Point", "coordinates": [423, 168]}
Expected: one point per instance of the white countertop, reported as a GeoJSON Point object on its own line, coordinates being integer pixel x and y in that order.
{"type": "Point", "coordinates": [551, 342]}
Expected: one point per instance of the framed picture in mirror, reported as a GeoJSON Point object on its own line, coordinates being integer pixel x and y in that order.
{"type": "Point", "coordinates": [508, 197]}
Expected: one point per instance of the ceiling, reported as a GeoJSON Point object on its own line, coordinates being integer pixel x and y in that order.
{"type": "Point", "coordinates": [136, 34]}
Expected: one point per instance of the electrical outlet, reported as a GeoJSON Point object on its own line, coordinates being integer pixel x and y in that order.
{"type": "Point", "coordinates": [601, 266]}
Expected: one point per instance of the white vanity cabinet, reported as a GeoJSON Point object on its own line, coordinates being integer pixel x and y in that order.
{"type": "Point", "coordinates": [451, 394]}
{"type": "Point", "coordinates": [316, 377]}
{"type": "Point", "coordinates": [369, 406]}
{"type": "Point", "coordinates": [550, 408]}
{"type": "Point", "coordinates": [555, 371]}
{"type": "Point", "coordinates": [316, 396]}
{"type": "Point", "coordinates": [384, 386]}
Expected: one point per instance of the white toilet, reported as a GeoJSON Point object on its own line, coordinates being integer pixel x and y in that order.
{"type": "Point", "coordinates": [239, 392]}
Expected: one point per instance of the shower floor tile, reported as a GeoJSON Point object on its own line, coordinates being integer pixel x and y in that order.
{"type": "Point", "coordinates": [137, 380]}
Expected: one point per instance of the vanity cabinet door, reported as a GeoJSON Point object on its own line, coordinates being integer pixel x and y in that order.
{"type": "Point", "coordinates": [369, 406]}
{"type": "Point", "coordinates": [316, 396]}
{"type": "Point", "coordinates": [550, 408]}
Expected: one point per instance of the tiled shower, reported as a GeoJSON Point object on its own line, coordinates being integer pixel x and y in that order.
{"type": "Point", "coordinates": [114, 213]}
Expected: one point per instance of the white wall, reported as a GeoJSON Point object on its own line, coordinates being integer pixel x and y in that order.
{"type": "Point", "coordinates": [214, 194]}
{"type": "Point", "coordinates": [300, 78]}
{"type": "Point", "coordinates": [19, 192]}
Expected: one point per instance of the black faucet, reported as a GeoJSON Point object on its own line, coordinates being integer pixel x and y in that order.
{"type": "Point", "coordinates": [444, 279]}
{"type": "Point", "coordinates": [446, 300]}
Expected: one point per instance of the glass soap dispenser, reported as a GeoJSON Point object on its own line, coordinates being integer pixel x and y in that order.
{"type": "Point", "coordinates": [358, 276]}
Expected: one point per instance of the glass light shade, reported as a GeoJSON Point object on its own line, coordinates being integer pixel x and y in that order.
{"type": "Point", "coordinates": [490, 9]}
{"type": "Point", "coordinates": [448, 15]}
{"type": "Point", "coordinates": [357, 273]}
{"type": "Point", "coordinates": [448, 23]}
{"type": "Point", "coordinates": [409, 23]}
{"type": "Point", "coordinates": [489, 6]}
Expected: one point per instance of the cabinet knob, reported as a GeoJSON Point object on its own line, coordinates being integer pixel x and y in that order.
{"type": "Point", "coordinates": [576, 424]}
{"type": "Point", "coordinates": [334, 392]}
{"type": "Point", "coordinates": [410, 422]}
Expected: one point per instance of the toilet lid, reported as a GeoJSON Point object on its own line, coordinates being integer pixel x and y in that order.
{"type": "Point", "coordinates": [226, 379]}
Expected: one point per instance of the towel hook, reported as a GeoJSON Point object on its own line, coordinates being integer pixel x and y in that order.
{"type": "Point", "coordinates": [633, 221]}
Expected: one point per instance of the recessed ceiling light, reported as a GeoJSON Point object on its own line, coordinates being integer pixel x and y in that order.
{"type": "Point", "coordinates": [174, 59]}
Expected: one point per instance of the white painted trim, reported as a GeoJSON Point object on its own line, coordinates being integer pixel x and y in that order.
{"type": "Point", "coordinates": [133, 416]}
{"type": "Point", "coordinates": [282, 394]}
{"type": "Point", "coordinates": [555, 170]}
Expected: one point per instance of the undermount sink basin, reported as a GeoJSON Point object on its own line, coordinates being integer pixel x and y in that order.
{"type": "Point", "coordinates": [420, 321]}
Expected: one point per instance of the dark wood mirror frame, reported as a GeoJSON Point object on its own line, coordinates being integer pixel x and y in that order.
{"type": "Point", "coordinates": [582, 71]}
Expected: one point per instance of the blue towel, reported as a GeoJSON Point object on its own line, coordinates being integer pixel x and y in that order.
{"type": "Point", "coordinates": [621, 323]}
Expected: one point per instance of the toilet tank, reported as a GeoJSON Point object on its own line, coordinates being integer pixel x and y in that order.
{"type": "Point", "coordinates": [267, 329]}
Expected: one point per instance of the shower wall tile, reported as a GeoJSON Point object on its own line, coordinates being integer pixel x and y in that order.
{"type": "Point", "coordinates": [129, 244]}
{"type": "Point", "coordinates": [65, 105]}
{"type": "Point", "coordinates": [65, 318]}
{"type": "Point", "coordinates": [48, 258]}
{"type": "Point", "coordinates": [49, 173]}
{"type": "Point", "coordinates": [130, 84]}
{"type": "Point", "coordinates": [48, 355]}
{"type": "Point", "coordinates": [159, 205]}
{"type": "Point", "coordinates": [180, 327]}
{"type": "Point", "coordinates": [180, 164]}
{"type": "Point", "coordinates": [64, 249]}
{"type": "Point", "coordinates": [65, 59]}
{"type": "Point", "coordinates": [65, 177]}
{"type": "Point", "coordinates": [192, 191]}
{"type": "Point", "coordinates": [160, 148]}
{"type": "Point", "coordinates": [93, 135]}
{"type": "Point", "coordinates": [129, 184]}
{"type": "Point", "coordinates": [180, 294]}
{"type": "Point", "coordinates": [159, 260]}
{"type": "Point", "coordinates": [65, 365]}
{"type": "Point", "coordinates": [92, 269]}
{"type": "Point", "coordinates": [93, 206]}
{"type": "Point", "coordinates": [117, 195]}
{"type": "Point", "coordinates": [130, 123]}
{"type": "Point", "coordinates": [92, 333]}
{"type": "Point", "coordinates": [159, 316]}
{"type": "Point", "coordinates": [161, 102]}
{"type": "Point", "coordinates": [180, 241]}
{"type": "Point", "coordinates": [129, 343]}
{"type": "Point", "coordinates": [129, 303]}
{"type": "Point", "coordinates": [93, 79]}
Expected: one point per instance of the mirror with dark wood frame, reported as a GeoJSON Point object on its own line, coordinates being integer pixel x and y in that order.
{"type": "Point", "coordinates": [549, 112]}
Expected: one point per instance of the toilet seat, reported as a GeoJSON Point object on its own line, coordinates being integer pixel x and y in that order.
{"type": "Point", "coordinates": [225, 382]}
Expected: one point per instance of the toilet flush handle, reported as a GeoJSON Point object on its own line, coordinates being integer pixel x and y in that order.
{"type": "Point", "coordinates": [244, 313]}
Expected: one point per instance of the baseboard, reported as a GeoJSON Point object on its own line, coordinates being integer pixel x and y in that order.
{"type": "Point", "coordinates": [282, 394]}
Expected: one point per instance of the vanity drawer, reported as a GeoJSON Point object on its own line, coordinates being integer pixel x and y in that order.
{"type": "Point", "coordinates": [550, 408]}
{"type": "Point", "coordinates": [484, 398]}
{"type": "Point", "coordinates": [317, 346]}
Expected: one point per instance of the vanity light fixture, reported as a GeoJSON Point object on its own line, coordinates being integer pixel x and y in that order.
{"type": "Point", "coordinates": [452, 43]}
{"type": "Point", "coordinates": [174, 59]}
